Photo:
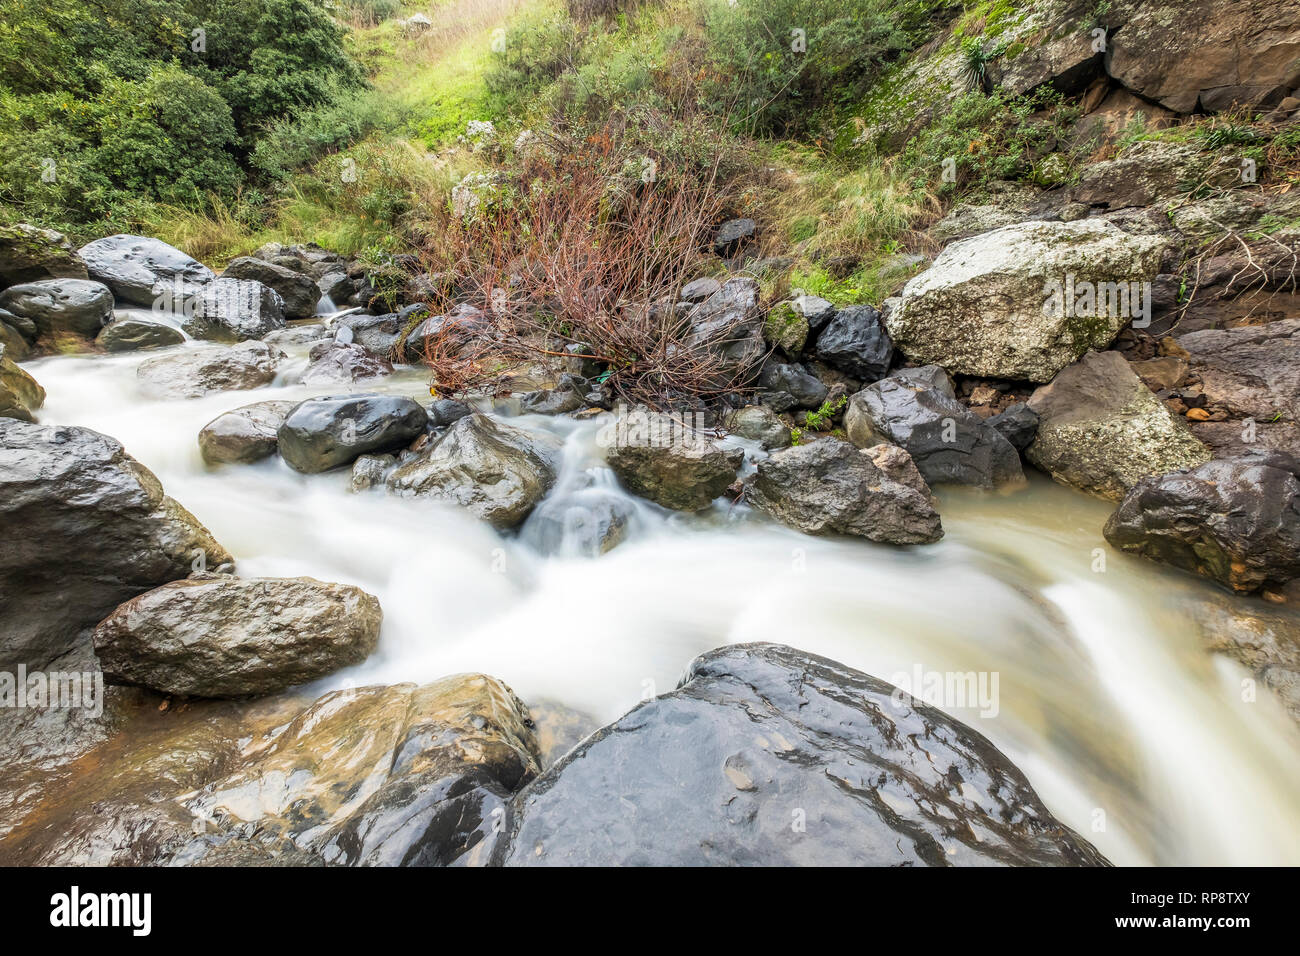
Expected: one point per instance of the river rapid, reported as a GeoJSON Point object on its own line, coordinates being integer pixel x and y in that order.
{"type": "Point", "coordinates": [1095, 679]}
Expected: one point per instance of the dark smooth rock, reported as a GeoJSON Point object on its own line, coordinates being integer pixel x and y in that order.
{"type": "Point", "coordinates": [324, 433]}
{"type": "Point", "coordinates": [948, 442]}
{"type": "Point", "coordinates": [855, 341]}
{"type": "Point", "coordinates": [731, 235]}
{"type": "Point", "coordinates": [446, 411]}
{"type": "Point", "coordinates": [1235, 520]}
{"type": "Point", "coordinates": [766, 755]}
{"type": "Point", "coordinates": [140, 270]}
{"type": "Point", "coordinates": [1018, 425]}
{"type": "Point", "coordinates": [784, 387]}
{"type": "Point", "coordinates": [84, 527]}
{"type": "Point", "coordinates": [831, 487]}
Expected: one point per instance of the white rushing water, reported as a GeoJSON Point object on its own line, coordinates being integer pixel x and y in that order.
{"type": "Point", "coordinates": [1130, 731]}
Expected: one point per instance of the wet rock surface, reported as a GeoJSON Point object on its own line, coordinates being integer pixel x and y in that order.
{"type": "Point", "coordinates": [85, 528]}
{"type": "Point", "coordinates": [77, 307]}
{"type": "Point", "coordinates": [328, 432]}
{"type": "Point", "coordinates": [757, 734]}
{"type": "Point", "coordinates": [20, 394]}
{"type": "Point", "coordinates": [855, 341]}
{"type": "Point", "coordinates": [133, 335]}
{"type": "Point", "coordinates": [222, 636]}
{"type": "Point", "coordinates": [684, 472]}
{"type": "Point", "coordinates": [234, 310]}
{"type": "Point", "coordinates": [832, 487]}
{"type": "Point", "coordinates": [29, 254]}
{"type": "Point", "coordinates": [133, 265]}
{"type": "Point", "coordinates": [207, 369]}
{"type": "Point", "coordinates": [244, 435]}
{"type": "Point", "coordinates": [298, 292]}
{"type": "Point", "coordinates": [499, 472]}
{"type": "Point", "coordinates": [338, 363]}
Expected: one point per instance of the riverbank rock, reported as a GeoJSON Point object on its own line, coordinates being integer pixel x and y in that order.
{"type": "Point", "coordinates": [672, 467]}
{"type": "Point", "coordinates": [207, 369]}
{"type": "Point", "coordinates": [728, 327]}
{"type": "Point", "coordinates": [916, 410]}
{"type": "Point", "coordinates": [1251, 371]}
{"type": "Point", "coordinates": [1101, 430]}
{"type": "Point", "coordinates": [234, 310]}
{"type": "Point", "coordinates": [133, 334]}
{"type": "Point", "coordinates": [334, 363]}
{"type": "Point", "coordinates": [985, 307]}
{"type": "Point", "coordinates": [832, 487]}
{"type": "Point", "coordinates": [20, 394]}
{"type": "Point", "coordinates": [29, 254]}
{"type": "Point", "coordinates": [377, 334]}
{"type": "Point", "coordinates": [84, 527]}
{"type": "Point", "coordinates": [855, 342]}
{"type": "Point", "coordinates": [139, 270]}
{"type": "Point", "coordinates": [1234, 520]}
{"type": "Point", "coordinates": [766, 755]}
{"type": "Point", "coordinates": [328, 432]}
{"type": "Point", "coordinates": [298, 292]}
{"type": "Point", "coordinates": [498, 472]}
{"type": "Point", "coordinates": [1265, 639]}
{"type": "Point", "coordinates": [783, 387]}
{"type": "Point", "coordinates": [415, 776]}
{"type": "Point", "coordinates": [222, 636]}
{"type": "Point", "coordinates": [759, 423]}
{"type": "Point", "coordinates": [245, 435]}
{"type": "Point", "coordinates": [61, 306]}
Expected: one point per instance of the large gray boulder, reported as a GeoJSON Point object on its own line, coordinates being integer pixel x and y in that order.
{"type": "Point", "coordinates": [201, 371]}
{"type": "Point", "coordinates": [498, 472]}
{"type": "Point", "coordinates": [56, 307]}
{"type": "Point", "coordinates": [916, 410]}
{"type": "Point", "coordinates": [298, 291]}
{"type": "Point", "coordinates": [1234, 520]}
{"type": "Point", "coordinates": [222, 636]}
{"type": "Point", "coordinates": [331, 431]}
{"type": "Point", "coordinates": [334, 363]}
{"type": "Point", "coordinates": [244, 435]}
{"type": "Point", "coordinates": [132, 334]}
{"type": "Point", "coordinates": [20, 394]}
{"type": "Point", "coordinates": [988, 305]}
{"type": "Point", "coordinates": [28, 254]}
{"type": "Point", "coordinates": [727, 327]}
{"type": "Point", "coordinates": [233, 310]}
{"type": "Point", "coordinates": [144, 271]}
{"type": "Point", "coordinates": [831, 487]}
{"type": "Point", "coordinates": [768, 756]}
{"type": "Point", "coordinates": [672, 466]}
{"type": "Point", "coordinates": [1101, 430]}
{"type": "Point", "coordinates": [85, 527]}
{"type": "Point", "coordinates": [855, 341]}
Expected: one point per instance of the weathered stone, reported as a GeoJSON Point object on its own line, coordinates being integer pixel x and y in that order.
{"type": "Point", "coordinates": [61, 306]}
{"type": "Point", "coordinates": [732, 235]}
{"type": "Point", "coordinates": [831, 487]}
{"type": "Point", "coordinates": [855, 341]}
{"type": "Point", "coordinates": [785, 328]}
{"type": "Point", "coordinates": [675, 469]}
{"type": "Point", "coordinates": [728, 327]}
{"type": "Point", "coordinates": [297, 291]}
{"type": "Point", "coordinates": [29, 254]}
{"type": "Point", "coordinates": [1249, 371]}
{"type": "Point", "coordinates": [1018, 425]}
{"type": "Point", "coordinates": [131, 334]}
{"type": "Point", "coordinates": [585, 522]}
{"type": "Point", "coordinates": [196, 372]}
{"type": "Point", "coordinates": [222, 636]}
{"type": "Point", "coordinates": [142, 271]}
{"type": "Point", "coordinates": [784, 387]}
{"type": "Point", "coordinates": [1234, 520]}
{"type": "Point", "coordinates": [245, 435]}
{"type": "Point", "coordinates": [915, 410]}
{"type": "Point", "coordinates": [989, 305]}
{"type": "Point", "coordinates": [234, 310]}
{"type": "Point", "coordinates": [324, 433]}
{"type": "Point", "coordinates": [368, 471]}
{"type": "Point", "coordinates": [707, 776]}
{"type": "Point", "coordinates": [1101, 430]}
{"type": "Point", "coordinates": [759, 423]}
{"type": "Point", "coordinates": [336, 363]}
{"type": "Point", "coordinates": [20, 394]}
{"type": "Point", "coordinates": [496, 471]}
{"type": "Point", "coordinates": [85, 527]}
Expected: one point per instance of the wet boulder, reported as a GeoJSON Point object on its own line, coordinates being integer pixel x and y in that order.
{"type": "Point", "coordinates": [16, 335]}
{"type": "Point", "coordinates": [768, 756]}
{"type": "Point", "coordinates": [727, 327]}
{"type": "Point", "coordinates": [446, 411]}
{"type": "Point", "coordinates": [220, 636]}
{"type": "Point", "coordinates": [831, 487]}
{"type": "Point", "coordinates": [377, 334]}
{"type": "Point", "coordinates": [915, 409]}
{"type": "Point", "coordinates": [498, 472]}
{"type": "Point", "coordinates": [233, 310]}
{"type": "Point", "coordinates": [1101, 430]}
{"type": "Point", "coordinates": [29, 254]}
{"type": "Point", "coordinates": [56, 307]}
{"type": "Point", "coordinates": [143, 271]}
{"type": "Point", "coordinates": [1024, 301]}
{"type": "Point", "coordinates": [369, 471]}
{"type": "Point", "coordinates": [855, 342]}
{"type": "Point", "coordinates": [565, 397]}
{"type": "Point", "coordinates": [1252, 371]}
{"type": "Point", "coordinates": [201, 371]}
{"type": "Point", "coordinates": [337, 363]}
{"type": "Point", "coordinates": [1234, 520]}
{"type": "Point", "coordinates": [298, 291]}
{"type": "Point", "coordinates": [132, 334]}
{"type": "Point", "coordinates": [784, 387]}
{"type": "Point", "coordinates": [328, 432]}
{"type": "Point", "coordinates": [1018, 425]}
{"type": "Point", "coordinates": [672, 466]}
{"type": "Point", "coordinates": [20, 394]}
{"type": "Point", "coordinates": [759, 423]}
{"type": "Point", "coordinates": [585, 522]}
{"type": "Point", "coordinates": [817, 312]}
{"type": "Point", "coordinates": [84, 527]}
{"type": "Point", "coordinates": [244, 435]}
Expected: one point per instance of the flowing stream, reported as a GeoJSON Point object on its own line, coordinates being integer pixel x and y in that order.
{"type": "Point", "coordinates": [1127, 727]}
